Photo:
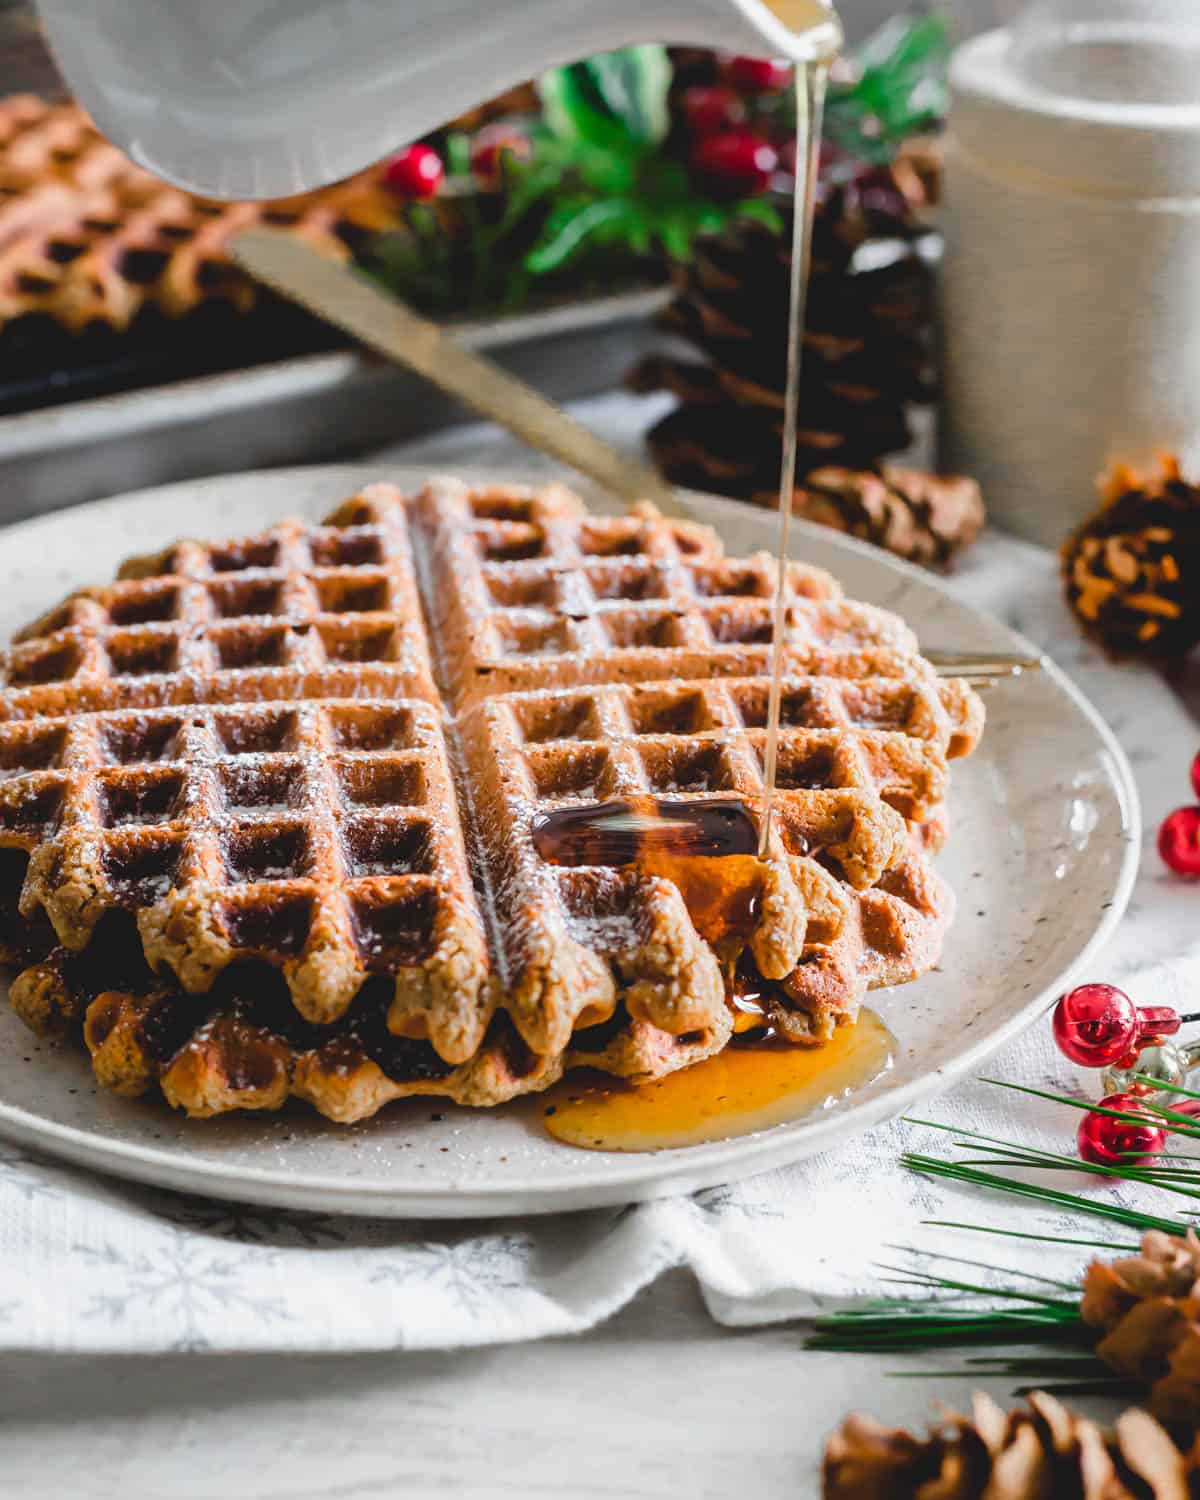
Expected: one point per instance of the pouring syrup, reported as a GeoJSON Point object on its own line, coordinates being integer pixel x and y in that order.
{"type": "Point", "coordinates": [713, 854]}
{"type": "Point", "coordinates": [810, 85]}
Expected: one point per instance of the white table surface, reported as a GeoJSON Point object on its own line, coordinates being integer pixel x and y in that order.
{"type": "Point", "coordinates": [660, 1402]}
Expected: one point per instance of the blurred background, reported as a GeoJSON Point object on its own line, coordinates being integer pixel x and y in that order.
{"type": "Point", "coordinates": [621, 221]}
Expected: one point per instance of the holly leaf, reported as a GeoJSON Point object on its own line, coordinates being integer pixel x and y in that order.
{"type": "Point", "coordinates": [569, 227]}
{"type": "Point", "coordinates": [573, 109]}
{"type": "Point", "coordinates": [899, 87]}
{"type": "Point", "coordinates": [633, 82]}
{"type": "Point", "coordinates": [615, 101]}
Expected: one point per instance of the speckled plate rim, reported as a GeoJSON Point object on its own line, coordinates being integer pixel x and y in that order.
{"type": "Point", "coordinates": [641, 1176]}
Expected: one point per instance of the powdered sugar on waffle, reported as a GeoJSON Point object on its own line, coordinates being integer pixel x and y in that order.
{"type": "Point", "coordinates": [646, 650]}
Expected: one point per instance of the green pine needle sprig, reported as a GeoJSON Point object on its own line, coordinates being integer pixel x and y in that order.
{"type": "Point", "coordinates": [1021, 1310]}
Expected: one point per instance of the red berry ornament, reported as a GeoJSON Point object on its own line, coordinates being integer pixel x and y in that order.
{"type": "Point", "coordinates": [756, 75]}
{"type": "Point", "coordinates": [1106, 1142]}
{"type": "Point", "coordinates": [1097, 1024]}
{"type": "Point", "coordinates": [708, 110]}
{"type": "Point", "coordinates": [740, 161]}
{"type": "Point", "coordinates": [1179, 841]}
{"type": "Point", "coordinates": [490, 147]}
{"type": "Point", "coordinates": [1195, 773]}
{"type": "Point", "coordinates": [415, 172]}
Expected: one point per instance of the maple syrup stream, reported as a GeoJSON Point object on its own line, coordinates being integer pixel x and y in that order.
{"type": "Point", "coordinates": [810, 109]}
{"type": "Point", "coordinates": [712, 852]}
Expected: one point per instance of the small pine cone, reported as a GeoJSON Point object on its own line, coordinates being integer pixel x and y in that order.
{"type": "Point", "coordinates": [1043, 1452]}
{"type": "Point", "coordinates": [1148, 1309]}
{"type": "Point", "coordinates": [923, 517]}
{"type": "Point", "coordinates": [1132, 571]}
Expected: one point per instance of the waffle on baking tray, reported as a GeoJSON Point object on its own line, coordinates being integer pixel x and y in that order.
{"type": "Point", "coordinates": [88, 238]}
{"type": "Point", "coordinates": [255, 843]}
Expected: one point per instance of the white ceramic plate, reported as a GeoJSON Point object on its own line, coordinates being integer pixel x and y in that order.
{"type": "Point", "coordinates": [1042, 855]}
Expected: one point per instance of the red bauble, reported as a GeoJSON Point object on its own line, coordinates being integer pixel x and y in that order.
{"type": "Point", "coordinates": [415, 172]}
{"type": "Point", "coordinates": [1098, 1024]}
{"type": "Point", "coordinates": [1179, 841]}
{"type": "Point", "coordinates": [708, 110]}
{"type": "Point", "coordinates": [1196, 773]}
{"type": "Point", "coordinates": [490, 146]}
{"type": "Point", "coordinates": [1106, 1142]}
{"type": "Point", "coordinates": [756, 75]}
{"type": "Point", "coordinates": [740, 161]}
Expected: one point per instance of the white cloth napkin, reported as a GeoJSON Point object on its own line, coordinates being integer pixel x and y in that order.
{"type": "Point", "coordinates": [89, 1264]}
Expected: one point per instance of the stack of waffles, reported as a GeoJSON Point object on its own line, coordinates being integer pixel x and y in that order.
{"type": "Point", "coordinates": [268, 807]}
{"type": "Point", "coordinates": [88, 239]}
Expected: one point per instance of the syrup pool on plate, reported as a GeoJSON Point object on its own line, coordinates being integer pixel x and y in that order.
{"type": "Point", "coordinates": [742, 1089]}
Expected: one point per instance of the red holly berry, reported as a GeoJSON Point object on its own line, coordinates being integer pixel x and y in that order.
{"type": "Point", "coordinates": [740, 161]}
{"type": "Point", "coordinates": [1106, 1142]}
{"type": "Point", "coordinates": [1196, 773]}
{"type": "Point", "coordinates": [489, 148]}
{"type": "Point", "coordinates": [756, 75]}
{"type": "Point", "coordinates": [708, 110]}
{"type": "Point", "coordinates": [1179, 841]}
{"type": "Point", "coordinates": [415, 172]}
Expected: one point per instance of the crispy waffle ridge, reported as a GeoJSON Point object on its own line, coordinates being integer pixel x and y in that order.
{"type": "Point", "coordinates": [322, 838]}
{"type": "Point", "coordinates": [297, 611]}
{"type": "Point", "coordinates": [525, 596]}
{"type": "Point", "coordinates": [243, 1046]}
{"type": "Point", "coordinates": [577, 943]}
{"type": "Point", "coordinates": [153, 774]}
{"type": "Point", "coordinates": [87, 237]}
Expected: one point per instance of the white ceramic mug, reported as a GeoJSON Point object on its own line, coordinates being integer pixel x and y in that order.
{"type": "Point", "coordinates": [1071, 280]}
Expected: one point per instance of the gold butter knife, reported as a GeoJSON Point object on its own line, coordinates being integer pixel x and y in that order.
{"type": "Point", "coordinates": [343, 296]}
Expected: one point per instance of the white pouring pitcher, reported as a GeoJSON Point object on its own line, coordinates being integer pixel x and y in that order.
{"type": "Point", "coordinates": [264, 98]}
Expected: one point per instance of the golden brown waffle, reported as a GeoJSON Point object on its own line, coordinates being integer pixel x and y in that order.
{"type": "Point", "coordinates": [890, 934]}
{"type": "Point", "coordinates": [244, 1047]}
{"type": "Point", "coordinates": [297, 611]}
{"type": "Point", "coordinates": [322, 838]}
{"type": "Point", "coordinates": [521, 598]}
{"type": "Point", "coordinates": [319, 838]}
{"type": "Point", "coordinates": [857, 763]}
{"type": "Point", "coordinates": [87, 237]}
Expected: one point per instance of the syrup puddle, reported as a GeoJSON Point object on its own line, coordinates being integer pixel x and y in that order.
{"type": "Point", "coordinates": [743, 1089]}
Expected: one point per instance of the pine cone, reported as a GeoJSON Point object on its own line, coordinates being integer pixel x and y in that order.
{"type": "Point", "coordinates": [1044, 1452]}
{"type": "Point", "coordinates": [1132, 571]}
{"type": "Point", "coordinates": [923, 517]}
{"type": "Point", "coordinates": [867, 347]}
{"type": "Point", "coordinates": [1148, 1309]}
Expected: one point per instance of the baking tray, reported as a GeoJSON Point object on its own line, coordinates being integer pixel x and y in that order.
{"type": "Point", "coordinates": [306, 409]}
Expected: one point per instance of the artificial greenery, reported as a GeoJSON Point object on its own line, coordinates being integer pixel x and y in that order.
{"type": "Point", "coordinates": [894, 87]}
{"type": "Point", "coordinates": [940, 1311]}
{"type": "Point", "coordinates": [599, 198]}
{"type": "Point", "coordinates": [605, 196]}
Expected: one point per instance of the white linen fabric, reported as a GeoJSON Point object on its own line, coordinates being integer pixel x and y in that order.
{"type": "Point", "coordinates": [89, 1264]}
